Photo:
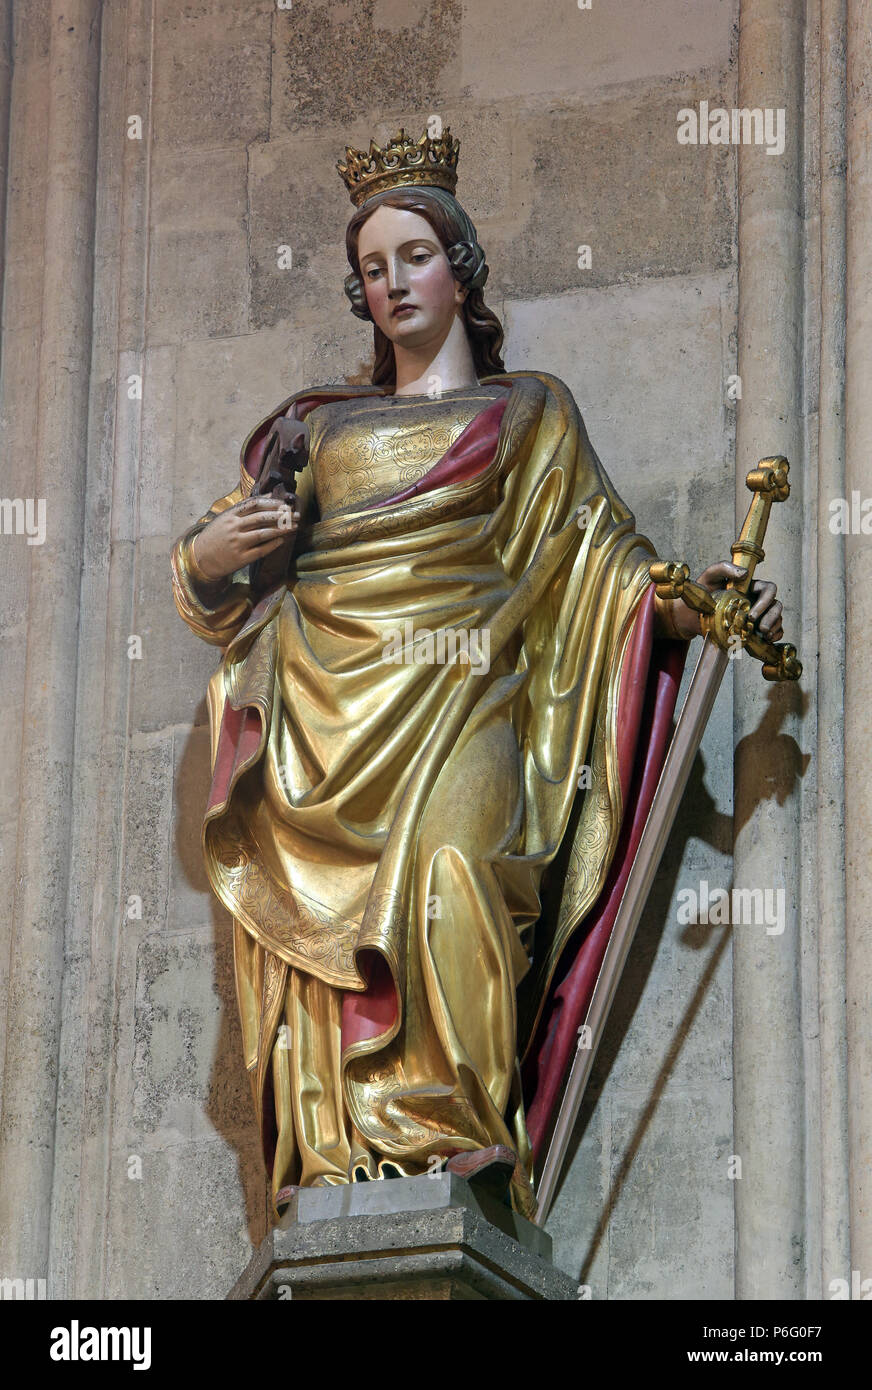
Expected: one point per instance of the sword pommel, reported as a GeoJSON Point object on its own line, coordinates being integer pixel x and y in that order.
{"type": "Point", "coordinates": [770, 476]}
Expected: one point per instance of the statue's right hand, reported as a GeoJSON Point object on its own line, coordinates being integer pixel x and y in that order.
{"type": "Point", "coordinates": [246, 531]}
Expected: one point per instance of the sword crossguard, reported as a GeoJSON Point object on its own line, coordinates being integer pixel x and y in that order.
{"type": "Point", "coordinates": [725, 614]}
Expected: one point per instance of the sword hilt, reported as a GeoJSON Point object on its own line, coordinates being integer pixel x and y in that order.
{"type": "Point", "coordinates": [725, 615]}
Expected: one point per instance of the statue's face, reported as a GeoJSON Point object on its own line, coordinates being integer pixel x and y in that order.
{"type": "Point", "coordinates": [410, 288]}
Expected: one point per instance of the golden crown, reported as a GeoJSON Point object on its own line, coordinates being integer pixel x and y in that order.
{"type": "Point", "coordinates": [430, 160]}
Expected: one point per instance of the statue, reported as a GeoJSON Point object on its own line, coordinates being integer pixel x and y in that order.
{"type": "Point", "coordinates": [438, 643]}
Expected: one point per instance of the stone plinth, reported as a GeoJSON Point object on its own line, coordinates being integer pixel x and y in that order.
{"type": "Point", "coordinates": [405, 1239]}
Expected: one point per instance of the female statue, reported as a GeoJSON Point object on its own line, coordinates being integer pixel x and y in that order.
{"type": "Point", "coordinates": [422, 646]}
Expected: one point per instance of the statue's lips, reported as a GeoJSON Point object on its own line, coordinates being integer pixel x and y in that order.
{"type": "Point", "coordinates": [403, 309]}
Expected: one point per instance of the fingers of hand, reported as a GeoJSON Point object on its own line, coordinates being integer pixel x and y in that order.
{"type": "Point", "coordinates": [771, 622]}
{"type": "Point", "coordinates": [260, 516]}
{"type": "Point", "coordinates": [716, 576]}
{"type": "Point", "coordinates": [267, 535]}
{"type": "Point", "coordinates": [276, 515]}
{"type": "Point", "coordinates": [764, 594]}
{"type": "Point", "coordinates": [254, 552]}
{"type": "Point", "coordinates": [251, 506]}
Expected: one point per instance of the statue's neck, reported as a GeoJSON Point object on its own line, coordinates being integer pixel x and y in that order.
{"type": "Point", "coordinates": [421, 371]}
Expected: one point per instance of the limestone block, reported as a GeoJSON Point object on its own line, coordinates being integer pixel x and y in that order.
{"type": "Point", "coordinates": [188, 1075]}
{"type": "Point", "coordinates": [31, 27]}
{"type": "Point", "coordinates": [859, 583]}
{"type": "Point", "coordinates": [671, 1023]}
{"type": "Point", "coordinates": [191, 897]}
{"type": "Point", "coordinates": [337, 350]}
{"type": "Point", "coordinates": [582, 1198]}
{"type": "Point", "coordinates": [337, 62]}
{"type": "Point", "coordinates": [18, 445]}
{"type": "Point", "coordinates": [671, 1227]}
{"type": "Point", "coordinates": [555, 46]}
{"type": "Point", "coordinates": [613, 176]}
{"type": "Point", "coordinates": [180, 1230]}
{"type": "Point", "coordinates": [170, 679]}
{"type": "Point", "coordinates": [644, 1015]}
{"type": "Point", "coordinates": [22, 290]}
{"type": "Point", "coordinates": [157, 464]}
{"type": "Point", "coordinates": [224, 387]}
{"type": "Point", "coordinates": [702, 972]}
{"type": "Point", "coordinates": [117, 391]}
{"type": "Point", "coordinates": [17, 422]}
{"type": "Point", "coordinates": [27, 158]}
{"type": "Point", "coordinates": [642, 1214]}
{"type": "Point", "coordinates": [298, 201]}
{"type": "Point", "coordinates": [212, 73]}
{"type": "Point", "coordinates": [646, 366]}
{"type": "Point", "coordinates": [198, 266]}
{"type": "Point", "coordinates": [148, 842]}
{"type": "Point", "coordinates": [485, 177]}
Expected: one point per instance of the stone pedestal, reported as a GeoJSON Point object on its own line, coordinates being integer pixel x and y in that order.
{"type": "Point", "coordinates": [404, 1238]}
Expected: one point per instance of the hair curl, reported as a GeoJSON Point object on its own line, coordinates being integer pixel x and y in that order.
{"type": "Point", "coordinates": [459, 240]}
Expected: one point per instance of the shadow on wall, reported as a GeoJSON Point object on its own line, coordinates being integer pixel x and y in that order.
{"type": "Point", "coordinates": [232, 1116]}
{"type": "Point", "coordinates": [779, 765]}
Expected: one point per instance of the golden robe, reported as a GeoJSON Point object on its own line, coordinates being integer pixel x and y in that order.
{"type": "Point", "coordinates": [390, 807]}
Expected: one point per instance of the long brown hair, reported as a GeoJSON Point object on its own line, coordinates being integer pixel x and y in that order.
{"type": "Point", "coordinates": [452, 225]}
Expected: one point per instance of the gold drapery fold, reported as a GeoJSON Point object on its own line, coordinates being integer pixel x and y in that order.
{"type": "Point", "coordinates": [410, 808]}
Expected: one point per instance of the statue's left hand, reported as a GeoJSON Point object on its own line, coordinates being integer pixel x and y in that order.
{"type": "Point", "coordinates": [766, 611]}
{"type": "Point", "coordinates": [273, 566]}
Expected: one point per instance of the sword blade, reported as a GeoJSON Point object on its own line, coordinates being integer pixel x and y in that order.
{"type": "Point", "coordinates": [702, 692]}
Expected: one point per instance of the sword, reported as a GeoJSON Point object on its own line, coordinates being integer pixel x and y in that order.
{"type": "Point", "coordinates": [727, 629]}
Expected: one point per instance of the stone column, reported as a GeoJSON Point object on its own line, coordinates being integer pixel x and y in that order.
{"type": "Point", "coordinates": [768, 1045]}
{"type": "Point", "coordinates": [57, 472]}
{"type": "Point", "coordinates": [858, 678]}
{"type": "Point", "coordinates": [825, 876]}
{"type": "Point", "coordinates": [118, 500]}
{"type": "Point", "coordinates": [5, 97]}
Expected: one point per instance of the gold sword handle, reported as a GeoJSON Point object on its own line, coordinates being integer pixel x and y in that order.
{"type": "Point", "coordinates": [768, 483]}
{"type": "Point", "coordinates": [725, 615]}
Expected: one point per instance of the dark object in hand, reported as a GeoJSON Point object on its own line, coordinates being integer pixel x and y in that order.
{"type": "Point", "coordinates": [286, 452]}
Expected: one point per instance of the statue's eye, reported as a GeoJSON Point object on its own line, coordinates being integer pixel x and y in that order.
{"type": "Point", "coordinates": [372, 272]}
{"type": "Point", "coordinates": [421, 256]}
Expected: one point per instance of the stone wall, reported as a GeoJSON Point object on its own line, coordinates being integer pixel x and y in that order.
{"type": "Point", "coordinates": [130, 1166]}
